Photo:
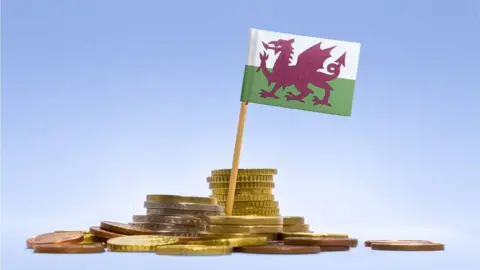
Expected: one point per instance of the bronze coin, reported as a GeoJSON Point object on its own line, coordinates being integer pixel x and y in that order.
{"type": "Point", "coordinates": [100, 233]}
{"type": "Point", "coordinates": [279, 249]}
{"type": "Point", "coordinates": [69, 248]}
{"type": "Point", "coordinates": [305, 241]}
{"type": "Point", "coordinates": [370, 242]}
{"type": "Point", "coordinates": [334, 248]}
{"type": "Point", "coordinates": [125, 229]}
{"type": "Point", "coordinates": [55, 238]}
{"type": "Point", "coordinates": [408, 246]}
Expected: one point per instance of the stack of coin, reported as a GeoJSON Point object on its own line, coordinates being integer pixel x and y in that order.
{"type": "Point", "coordinates": [243, 226]}
{"type": "Point", "coordinates": [177, 215]}
{"type": "Point", "coordinates": [293, 224]}
{"type": "Point", "coordinates": [253, 191]}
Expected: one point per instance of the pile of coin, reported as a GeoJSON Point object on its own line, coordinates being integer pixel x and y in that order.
{"type": "Point", "coordinates": [177, 215]}
{"type": "Point", "coordinates": [253, 191]}
{"type": "Point", "coordinates": [243, 226]}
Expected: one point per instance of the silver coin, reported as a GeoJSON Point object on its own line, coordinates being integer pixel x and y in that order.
{"type": "Point", "coordinates": [177, 233]}
{"type": "Point", "coordinates": [185, 206]}
{"type": "Point", "coordinates": [169, 227]}
{"type": "Point", "coordinates": [182, 212]}
{"type": "Point", "coordinates": [168, 219]}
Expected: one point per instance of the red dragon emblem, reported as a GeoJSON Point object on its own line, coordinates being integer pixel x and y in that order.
{"type": "Point", "coordinates": [301, 74]}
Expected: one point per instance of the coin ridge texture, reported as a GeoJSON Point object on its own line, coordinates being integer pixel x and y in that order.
{"type": "Point", "coordinates": [240, 172]}
{"type": "Point", "coordinates": [166, 226]}
{"type": "Point", "coordinates": [293, 220]}
{"type": "Point", "coordinates": [296, 228]}
{"type": "Point", "coordinates": [249, 204]}
{"type": "Point", "coordinates": [180, 199]}
{"type": "Point", "coordinates": [240, 179]}
{"type": "Point", "coordinates": [256, 212]}
{"type": "Point", "coordinates": [280, 249]}
{"type": "Point", "coordinates": [244, 228]}
{"type": "Point", "coordinates": [246, 197]}
{"type": "Point", "coordinates": [181, 212]}
{"type": "Point", "coordinates": [185, 206]}
{"type": "Point", "coordinates": [251, 191]}
{"type": "Point", "coordinates": [244, 220]}
{"type": "Point", "coordinates": [168, 219]}
{"type": "Point", "coordinates": [315, 235]}
{"type": "Point", "coordinates": [55, 238]}
{"type": "Point", "coordinates": [194, 250]}
{"type": "Point", "coordinates": [139, 243]}
{"type": "Point", "coordinates": [408, 246]}
{"type": "Point", "coordinates": [69, 248]}
{"type": "Point", "coordinates": [243, 185]}
{"type": "Point", "coordinates": [122, 228]}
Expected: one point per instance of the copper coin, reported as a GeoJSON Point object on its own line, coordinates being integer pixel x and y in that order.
{"type": "Point", "coordinates": [370, 242]}
{"type": "Point", "coordinates": [122, 228]}
{"type": "Point", "coordinates": [398, 246]}
{"type": "Point", "coordinates": [100, 233]}
{"type": "Point", "coordinates": [334, 248]}
{"type": "Point", "coordinates": [69, 248]}
{"type": "Point", "coordinates": [279, 249]}
{"type": "Point", "coordinates": [55, 238]}
{"type": "Point", "coordinates": [305, 241]}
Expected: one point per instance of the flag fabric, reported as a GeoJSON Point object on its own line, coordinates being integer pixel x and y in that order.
{"type": "Point", "coordinates": [299, 72]}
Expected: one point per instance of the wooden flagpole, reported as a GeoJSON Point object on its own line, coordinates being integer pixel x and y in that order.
{"type": "Point", "coordinates": [236, 159]}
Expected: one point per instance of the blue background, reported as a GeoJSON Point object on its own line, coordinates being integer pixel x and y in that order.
{"type": "Point", "coordinates": [106, 101]}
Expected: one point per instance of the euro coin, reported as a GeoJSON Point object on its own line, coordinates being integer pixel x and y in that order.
{"type": "Point", "coordinates": [182, 212]}
{"type": "Point", "coordinates": [166, 226]}
{"type": "Point", "coordinates": [293, 220]}
{"type": "Point", "coordinates": [55, 238]}
{"type": "Point", "coordinates": [179, 199]}
{"type": "Point", "coordinates": [101, 233]}
{"type": "Point", "coordinates": [208, 235]}
{"type": "Point", "coordinates": [233, 242]}
{"type": "Point", "coordinates": [304, 241]}
{"type": "Point", "coordinates": [250, 204]}
{"type": "Point", "coordinates": [186, 206]}
{"type": "Point", "coordinates": [369, 242]}
{"type": "Point", "coordinates": [315, 235]}
{"type": "Point", "coordinates": [246, 197]}
{"type": "Point", "coordinates": [270, 212]}
{"type": "Point", "coordinates": [240, 179]}
{"type": "Point", "coordinates": [248, 191]}
{"type": "Point", "coordinates": [280, 249]}
{"type": "Point", "coordinates": [244, 220]}
{"type": "Point", "coordinates": [187, 220]}
{"type": "Point", "coordinates": [402, 246]}
{"type": "Point", "coordinates": [242, 172]}
{"type": "Point", "coordinates": [177, 233]}
{"type": "Point", "coordinates": [126, 229]}
{"type": "Point", "coordinates": [334, 248]}
{"type": "Point", "coordinates": [244, 229]}
{"type": "Point", "coordinates": [296, 228]}
{"type": "Point", "coordinates": [243, 185]}
{"type": "Point", "coordinates": [197, 250]}
{"type": "Point", "coordinates": [139, 243]}
{"type": "Point", "coordinates": [69, 248]}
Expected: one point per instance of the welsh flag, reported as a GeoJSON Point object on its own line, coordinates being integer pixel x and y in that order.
{"type": "Point", "coordinates": [299, 72]}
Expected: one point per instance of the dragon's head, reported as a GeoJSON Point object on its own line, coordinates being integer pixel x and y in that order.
{"type": "Point", "coordinates": [280, 45]}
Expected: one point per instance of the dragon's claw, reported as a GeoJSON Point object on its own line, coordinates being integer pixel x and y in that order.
{"type": "Point", "coordinates": [317, 101]}
{"type": "Point", "coordinates": [267, 94]}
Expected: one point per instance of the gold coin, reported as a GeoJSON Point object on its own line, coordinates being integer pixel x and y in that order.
{"type": "Point", "coordinates": [293, 220]}
{"type": "Point", "coordinates": [243, 185]}
{"type": "Point", "coordinates": [267, 212]}
{"type": "Point", "coordinates": [257, 204]}
{"type": "Point", "coordinates": [194, 250]}
{"type": "Point", "coordinates": [209, 235]}
{"type": "Point", "coordinates": [244, 229]}
{"type": "Point", "coordinates": [240, 179]}
{"type": "Point", "coordinates": [315, 235]}
{"type": "Point", "coordinates": [296, 228]}
{"type": "Point", "coordinates": [246, 197]}
{"type": "Point", "coordinates": [139, 243]}
{"type": "Point", "coordinates": [261, 171]}
{"type": "Point", "coordinates": [251, 191]}
{"type": "Point", "coordinates": [180, 199]}
{"type": "Point", "coordinates": [233, 242]}
{"type": "Point", "coordinates": [244, 220]}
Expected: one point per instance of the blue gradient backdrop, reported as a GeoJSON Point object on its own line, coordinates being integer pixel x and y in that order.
{"type": "Point", "coordinates": [106, 101]}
